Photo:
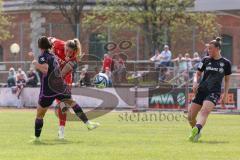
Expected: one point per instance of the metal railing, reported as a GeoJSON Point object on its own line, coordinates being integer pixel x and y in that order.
{"type": "Point", "coordinates": [145, 72]}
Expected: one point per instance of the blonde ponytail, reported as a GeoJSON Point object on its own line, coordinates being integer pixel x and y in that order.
{"type": "Point", "coordinates": [78, 46]}
{"type": "Point", "coordinates": [75, 45]}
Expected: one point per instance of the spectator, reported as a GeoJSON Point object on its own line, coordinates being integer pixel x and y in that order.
{"type": "Point", "coordinates": [156, 59]}
{"type": "Point", "coordinates": [109, 74]}
{"type": "Point", "coordinates": [21, 83]}
{"type": "Point", "coordinates": [96, 70]}
{"type": "Point", "coordinates": [107, 62]}
{"type": "Point", "coordinates": [165, 61]}
{"type": "Point", "coordinates": [119, 72]}
{"type": "Point", "coordinates": [205, 51]}
{"type": "Point", "coordinates": [165, 56]}
{"type": "Point", "coordinates": [180, 63]}
{"type": "Point", "coordinates": [22, 73]}
{"type": "Point", "coordinates": [32, 78]}
{"type": "Point", "coordinates": [184, 65]}
{"type": "Point", "coordinates": [196, 60]}
{"type": "Point", "coordinates": [11, 81]}
{"type": "Point", "coordinates": [188, 61]}
{"type": "Point", "coordinates": [85, 79]}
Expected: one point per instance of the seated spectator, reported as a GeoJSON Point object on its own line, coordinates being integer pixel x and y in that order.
{"type": "Point", "coordinates": [21, 83]}
{"type": "Point", "coordinates": [20, 71]}
{"type": "Point", "coordinates": [11, 81]}
{"type": "Point", "coordinates": [85, 79]}
{"type": "Point", "coordinates": [32, 78]}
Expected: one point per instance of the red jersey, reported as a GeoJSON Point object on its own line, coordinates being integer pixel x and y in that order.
{"type": "Point", "coordinates": [107, 62]}
{"type": "Point", "coordinates": [59, 51]}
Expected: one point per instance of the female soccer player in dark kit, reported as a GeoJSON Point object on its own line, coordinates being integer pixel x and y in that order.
{"type": "Point", "coordinates": [53, 87]}
{"type": "Point", "coordinates": [214, 69]}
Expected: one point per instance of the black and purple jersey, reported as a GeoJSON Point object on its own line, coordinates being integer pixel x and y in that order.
{"type": "Point", "coordinates": [214, 72]}
{"type": "Point", "coordinates": [52, 84]}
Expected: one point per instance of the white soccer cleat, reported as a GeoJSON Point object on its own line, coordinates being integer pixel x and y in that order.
{"type": "Point", "coordinates": [61, 132]}
{"type": "Point", "coordinates": [92, 125]}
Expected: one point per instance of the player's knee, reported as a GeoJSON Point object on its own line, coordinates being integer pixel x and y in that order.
{"type": "Point", "coordinates": [40, 115]}
{"type": "Point", "coordinates": [69, 102]}
{"type": "Point", "coordinates": [73, 104]}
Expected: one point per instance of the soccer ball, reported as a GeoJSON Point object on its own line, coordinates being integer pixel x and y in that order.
{"type": "Point", "coordinates": [101, 80]}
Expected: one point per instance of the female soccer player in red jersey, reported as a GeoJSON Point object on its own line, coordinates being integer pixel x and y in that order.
{"type": "Point", "coordinates": [67, 53]}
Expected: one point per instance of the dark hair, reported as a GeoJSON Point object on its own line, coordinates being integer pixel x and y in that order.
{"type": "Point", "coordinates": [44, 43]}
{"type": "Point", "coordinates": [217, 42]}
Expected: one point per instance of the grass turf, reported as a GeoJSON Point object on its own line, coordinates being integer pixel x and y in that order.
{"type": "Point", "coordinates": [118, 139]}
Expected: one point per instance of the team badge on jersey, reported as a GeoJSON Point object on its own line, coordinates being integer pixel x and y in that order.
{"type": "Point", "coordinates": [221, 64]}
{"type": "Point", "coordinates": [42, 60]}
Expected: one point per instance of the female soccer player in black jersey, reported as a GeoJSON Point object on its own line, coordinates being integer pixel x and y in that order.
{"type": "Point", "coordinates": [53, 87]}
{"type": "Point", "coordinates": [214, 68]}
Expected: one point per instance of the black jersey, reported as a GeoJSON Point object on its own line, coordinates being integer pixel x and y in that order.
{"type": "Point", "coordinates": [52, 83]}
{"type": "Point", "coordinates": [214, 72]}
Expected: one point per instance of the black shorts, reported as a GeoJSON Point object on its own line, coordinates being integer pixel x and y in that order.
{"type": "Point", "coordinates": [209, 96]}
{"type": "Point", "coordinates": [46, 101]}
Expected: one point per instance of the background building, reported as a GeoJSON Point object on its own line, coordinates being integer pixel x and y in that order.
{"type": "Point", "coordinates": [31, 19]}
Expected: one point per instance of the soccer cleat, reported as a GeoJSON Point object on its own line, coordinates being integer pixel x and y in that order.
{"type": "Point", "coordinates": [35, 140]}
{"type": "Point", "coordinates": [197, 137]}
{"type": "Point", "coordinates": [61, 132]}
{"type": "Point", "coordinates": [92, 125]}
{"type": "Point", "coordinates": [193, 134]}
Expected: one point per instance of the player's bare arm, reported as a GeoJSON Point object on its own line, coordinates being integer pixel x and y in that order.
{"type": "Point", "coordinates": [41, 67]}
{"type": "Point", "coordinates": [196, 79]}
{"type": "Point", "coordinates": [226, 89]}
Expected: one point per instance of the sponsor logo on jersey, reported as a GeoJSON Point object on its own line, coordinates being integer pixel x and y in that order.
{"type": "Point", "coordinates": [221, 70]}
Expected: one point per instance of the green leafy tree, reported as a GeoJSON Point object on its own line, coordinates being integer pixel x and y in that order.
{"type": "Point", "coordinates": [71, 10]}
{"type": "Point", "coordinates": [160, 21]}
{"type": "Point", "coordinates": [4, 25]}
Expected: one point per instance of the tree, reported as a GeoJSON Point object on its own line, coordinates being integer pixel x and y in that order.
{"type": "Point", "coordinates": [4, 25]}
{"type": "Point", "coordinates": [72, 10]}
{"type": "Point", "coordinates": [158, 20]}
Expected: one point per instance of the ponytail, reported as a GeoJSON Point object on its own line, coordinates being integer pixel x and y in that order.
{"type": "Point", "coordinates": [78, 47]}
{"type": "Point", "coordinates": [217, 42]}
{"type": "Point", "coordinates": [75, 45]}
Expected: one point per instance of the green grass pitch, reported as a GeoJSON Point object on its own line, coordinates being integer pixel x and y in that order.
{"type": "Point", "coordinates": [118, 139]}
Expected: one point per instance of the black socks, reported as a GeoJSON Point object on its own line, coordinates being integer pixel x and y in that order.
{"type": "Point", "coordinates": [79, 112]}
{"type": "Point", "coordinates": [38, 127]}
